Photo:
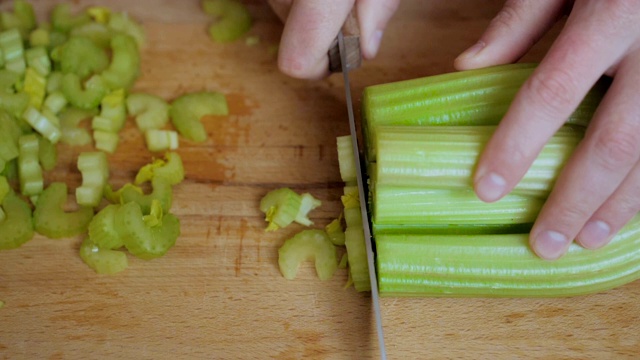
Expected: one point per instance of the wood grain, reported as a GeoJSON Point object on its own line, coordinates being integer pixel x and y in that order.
{"type": "Point", "coordinates": [218, 293]}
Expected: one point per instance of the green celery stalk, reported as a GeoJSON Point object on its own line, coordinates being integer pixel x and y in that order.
{"type": "Point", "coordinates": [125, 63]}
{"type": "Point", "coordinates": [17, 226]}
{"type": "Point", "coordinates": [47, 154]}
{"type": "Point", "coordinates": [122, 22]}
{"type": "Point", "coordinates": [29, 170]}
{"type": "Point", "coordinates": [233, 19]}
{"type": "Point", "coordinates": [103, 261]}
{"type": "Point", "coordinates": [89, 97]}
{"type": "Point", "coordinates": [94, 167]}
{"type": "Point", "coordinates": [171, 168]}
{"type": "Point", "coordinates": [103, 231]}
{"type": "Point", "coordinates": [357, 258]}
{"type": "Point", "coordinates": [501, 265]}
{"type": "Point", "coordinates": [187, 110]}
{"type": "Point", "coordinates": [150, 111]}
{"type": "Point", "coordinates": [444, 157]}
{"type": "Point", "coordinates": [473, 97]}
{"type": "Point", "coordinates": [63, 21]}
{"type": "Point", "coordinates": [81, 56]}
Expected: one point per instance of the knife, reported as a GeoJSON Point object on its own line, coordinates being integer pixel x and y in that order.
{"type": "Point", "coordinates": [348, 53]}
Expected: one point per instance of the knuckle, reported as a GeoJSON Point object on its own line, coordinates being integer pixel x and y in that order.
{"type": "Point", "coordinates": [554, 90]}
{"type": "Point", "coordinates": [509, 16]}
{"type": "Point", "coordinates": [616, 147]}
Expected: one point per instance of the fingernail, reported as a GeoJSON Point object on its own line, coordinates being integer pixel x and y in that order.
{"type": "Point", "coordinates": [594, 234]}
{"type": "Point", "coordinates": [472, 51]}
{"type": "Point", "coordinates": [550, 244]}
{"type": "Point", "coordinates": [491, 187]}
{"type": "Point", "coordinates": [374, 42]}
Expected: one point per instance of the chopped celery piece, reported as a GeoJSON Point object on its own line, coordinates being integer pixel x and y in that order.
{"type": "Point", "coordinates": [162, 192]}
{"type": "Point", "coordinates": [11, 170]}
{"type": "Point", "coordinates": [98, 33]}
{"type": "Point", "coordinates": [106, 141]}
{"type": "Point", "coordinates": [47, 154]}
{"type": "Point", "coordinates": [473, 97]}
{"type": "Point", "coordinates": [444, 157]}
{"type": "Point", "coordinates": [63, 21]}
{"type": "Point", "coordinates": [47, 126]}
{"type": "Point", "coordinates": [233, 19]}
{"type": "Point", "coordinates": [23, 10]}
{"type": "Point", "coordinates": [281, 207]}
{"type": "Point", "coordinates": [501, 265]}
{"type": "Point", "coordinates": [112, 107]}
{"type": "Point", "coordinates": [17, 226]}
{"type": "Point", "coordinates": [54, 82]}
{"type": "Point", "coordinates": [308, 245]}
{"type": "Point", "coordinates": [8, 139]}
{"type": "Point", "coordinates": [39, 37]}
{"type": "Point", "coordinates": [99, 14]}
{"type": "Point", "coordinates": [71, 133]}
{"type": "Point", "coordinates": [13, 50]}
{"type": "Point", "coordinates": [154, 218]}
{"type": "Point", "coordinates": [146, 242]}
{"type": "Point", "coordinates": [307, 203]}
{"type": "Point", "coordinates": [89, 98]}
{"type": "Point", "coordinates": [38, 60]}
{"type": "Point", "coordinates": [170, 168]}
{"type": "Point", "coordinates": [357, 258]}
{"type": "Point", "coordinates": [101, 260]}
{"type": "Point", "coordinates": [4, 190]}
{"type": "Point", "coordinates": [94, 167]}
{"type": "Point", "coordinates": [103, 231]}
{"type": "Point", "coordinates": [29, 170]}
{"type": "Point", "coordinates": [346, 161]}
{"type": "Point", "coordinates": [123, 23]}
{"type": "Point", "coordinates": [8, 80]}
{"type": "Point", "coordinates": [150, 111]}
{"type": "Point", "coordinates": [55, 102]}
{"type": "Point", "coordinates": [161, 140]}
{"type": "Point", "coordinates": [14, 104]}
{"type": "Point", "coordinates": [80, 56]}
{"type": "Point", "coordinates": [52, 221]}
{"type": "Point", "coordinates": [35, 86]}
{"type": "Point", "coordinates": [187, 110]}
{"type": "Point", "coordinates": [335, 232]}
{"type": "Point", "coordinates": [104, 124]}
{"type": "Point", "coordinates": [125, 63]}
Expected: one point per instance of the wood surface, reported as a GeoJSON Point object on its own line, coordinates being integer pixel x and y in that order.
{"type": "Point", "coordinates": [218, 293]}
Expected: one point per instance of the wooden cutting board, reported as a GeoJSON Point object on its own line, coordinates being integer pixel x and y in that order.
{"type": "Point", "coordinates": [218, 293]}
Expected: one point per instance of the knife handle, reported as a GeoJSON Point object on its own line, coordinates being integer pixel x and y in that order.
{"type": "Point", "coordinates": [351, 33]}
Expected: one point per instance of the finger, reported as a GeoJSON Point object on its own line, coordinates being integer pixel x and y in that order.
{"type": "Point", "coordinates": [516, 28]}
{"type": "Point", "coordinates": [618, 210]}
{"type": "Point", "coordinates": [573, 64]}
{"type": "Point", "coordinates": [311, 27]}
{"type": "Point", "coordinates": [373, 16]}
{"type": "Point", "coordinates": [602, 161]}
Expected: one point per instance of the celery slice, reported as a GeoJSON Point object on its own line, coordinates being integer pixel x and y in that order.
{"type": "Point", "coordinates": [13, 50]}
{"type": "Point", "coordinates": [52, 221]}
{"type": "Point", "coordinates": [29, 170]}
{"type": "Point", "coordinates": [281, 207]}
{"type": "Point", "coordinates": [71, 133]}
{"type": "Point", "coordinates": [150, 111]}
{"type": "Point", "coordinates": [141, 240]}
{"type": "Point", "coordinates": [35, 86]}
{"type": "Point", "coordinates": [101, 260]}
{"type": "Point", "coordinates": [121, 22]}
{"type": "Point", "coordinates": [55, 102]}
{"type": "Point", "coordinates": [346, 161]}
{"type": "Point", "coordinates": [233, 19]}
{"type": "Point", "coordinates": [307, 203]}
{"type": "Point", "coordinates": [444, 157]}
{"type": "Point", "coordinates": [47, 154]}
{"type": "Point", "coordinates": [125, 63]}
{"type": "Point", "coordinates": [63, 21]}
{"type": "Point", "coordinates": [8, 80]}
{"type": "Point", "coordinates": [94, 167]}
{"type": "Point", "coordinates": [98, 33]}
{"type": "Point", "coordinates": [103, 231]}
{"type": "Point", "coordinates": [54, 82]}
{"type": "Point", "coordinates": [161, 140]}
{"type": "Point", "coordinates": [335, 232]}
{"type": "Point", "coordinates": [87, 98]}
{"type": "Point", "coordinates": [308, 245]}
{"type": "Point", "coordinates": [112, 107]}
{"type": "Point", "coordinates": [357, 258]}
{"type": "Point", "coordinates": [81, 56]}
{"type": "Point", "coordinates": [187, 111]}
{"type": "Point", "coordinates": [17, 226]}
{"type": "Point", "coordinates": [106, 141]}
{"type": "Point", "coordinates": [170, 168]}
{"type": "Point", "coordinates": [14, 104]}
{"type": "Point", "coordinates": [38, 60]}
{"type": "Point", "coordinates": [44, 123]}
{"type": "Point", "coordinates": [40, 37]}
{"type": "Point", "coordinates": [162, 192]}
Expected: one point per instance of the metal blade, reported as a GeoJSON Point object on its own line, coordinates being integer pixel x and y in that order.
{"type": "Point", "coordinates": [363, 198]}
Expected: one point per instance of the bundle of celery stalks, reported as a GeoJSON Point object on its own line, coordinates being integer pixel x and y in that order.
{"type": "Point", "coordinates": [433, 237]}
{"type": "Point", "coordinates": [82, 66]}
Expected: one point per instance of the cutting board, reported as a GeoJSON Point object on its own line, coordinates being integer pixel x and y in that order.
{"type": "Point", "coordinates": [218, 293]}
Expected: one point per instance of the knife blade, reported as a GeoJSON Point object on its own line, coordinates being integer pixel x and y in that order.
{"type": "Point", "coordinates": [346, 65]}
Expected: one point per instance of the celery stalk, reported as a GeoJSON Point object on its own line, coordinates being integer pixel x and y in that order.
{"type": "Point", "coordinates": [52, 221]}
{"type": "Point", "coordinates": [444, 157]}
{"type": "Point", "coordinates": [187, 111]}
{"type": "Point", "coordinates": [501, 265]}
{"type": "Point", "coordinates": [94, 167]}
{"type": "Point", "coordinates": [233, 19]}
{"type": "Point", "coordinates": [17, 226]}
{"type": "Point", "coordinates": [103, 261]}
{"type": "Point", "coordinates": [29, 170]}
{"type": "Point", "coordinates": [170, 168]}
{"type": "Point", "coordinates": [357, 258]}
